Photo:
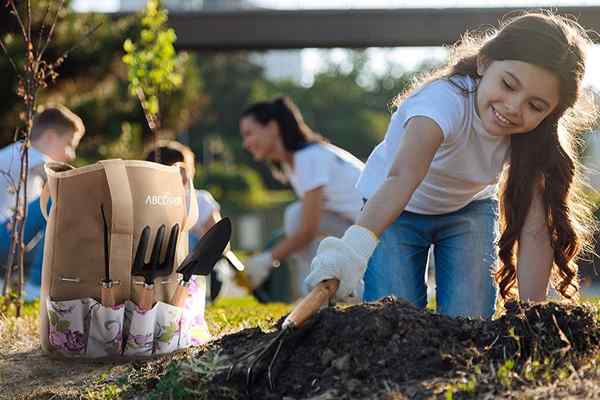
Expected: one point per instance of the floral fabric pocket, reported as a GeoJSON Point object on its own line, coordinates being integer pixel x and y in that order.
{"type": "Point", "coordinates": [139, 330]}
{"type": "Point", "coordinates": [85, 328]}
{"type": "Point", "coordinates": [68, 322]}
{"type": "Point", "coordinates": [167, 328]}
{"type": "Point", "coordinates": [106, 330]}
{"type": "Point", "coordinates": [194, 330]}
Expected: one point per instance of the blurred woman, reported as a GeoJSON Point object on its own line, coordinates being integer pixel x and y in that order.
{"type": "Point", "coordinates": [322, 175]}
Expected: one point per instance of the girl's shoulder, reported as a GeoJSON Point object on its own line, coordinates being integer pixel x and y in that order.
{"type": "Point", "coordinates": [456, 85]}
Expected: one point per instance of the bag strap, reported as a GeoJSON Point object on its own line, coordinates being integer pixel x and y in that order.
{"type": "Point", "coordinates": [50, 170]}
{"type": "Point", "coordinates": [121, 227]}
{"type": "Point", "coordinates": [44, 196]}
{"type": "Point", "coordinates": [191, 215]}
{"type": "Point", "coordinates": [192, 208]}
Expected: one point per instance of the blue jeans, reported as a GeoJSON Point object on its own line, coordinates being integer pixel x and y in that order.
{"type": "Point", "coordinates": [465, 250]}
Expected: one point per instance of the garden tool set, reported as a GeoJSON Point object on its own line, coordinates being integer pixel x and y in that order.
{"type": "Point", "coordinates": [154, 269]}
{"type": "Point", "coordinates": [114, 229]}
{"type": "Point", "coordinates": [320, 294]}
{"type": "Point", "coordinates": [203, 258]}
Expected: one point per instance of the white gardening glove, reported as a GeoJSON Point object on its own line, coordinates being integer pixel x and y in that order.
{"type": "Point", "coordinates": [344, 259]}
{"type": "Point", "coordinates": [258, 268]}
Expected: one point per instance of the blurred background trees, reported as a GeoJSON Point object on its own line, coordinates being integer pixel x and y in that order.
{"type": "Point", "coordinates": [348, 105]}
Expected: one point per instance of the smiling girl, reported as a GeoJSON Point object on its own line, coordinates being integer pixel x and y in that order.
{"type": "Point", "coordinates": [503, 107]}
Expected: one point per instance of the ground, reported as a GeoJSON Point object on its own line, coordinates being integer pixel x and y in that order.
{"type": "Point", "coordinates": [386, 350]}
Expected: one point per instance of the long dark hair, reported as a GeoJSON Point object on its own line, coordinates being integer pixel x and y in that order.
{"type": "Point", "coordinates": [295, 133]}
{"type": "Point", "coordinates": [546, 156]}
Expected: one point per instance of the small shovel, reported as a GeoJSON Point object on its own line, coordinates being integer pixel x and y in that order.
{"type": "Point", "coordinates": [203, 258]}
{"type": "Point", "coordinates": [154, 268]}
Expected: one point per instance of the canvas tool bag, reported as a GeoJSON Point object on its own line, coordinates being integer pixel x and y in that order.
{"type": "Point", "coordinates": [133, 194]}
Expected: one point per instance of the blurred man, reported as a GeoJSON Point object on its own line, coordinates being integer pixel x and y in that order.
{"type": "Point", "coordinates": [55, 135]}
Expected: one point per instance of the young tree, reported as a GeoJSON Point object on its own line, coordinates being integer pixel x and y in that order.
{"type": "Point", "coordinates": [152, 63]}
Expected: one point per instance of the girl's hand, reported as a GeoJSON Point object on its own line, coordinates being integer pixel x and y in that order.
{"type": "Point", "coordinates": [344, 259]}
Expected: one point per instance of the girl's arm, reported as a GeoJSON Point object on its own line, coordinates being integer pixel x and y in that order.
{"type": "Point", "coordinates": [535, 255]}
{"type": "Point", "coordinates": [312, 202]}
{"type": "Point", "coordinates": [417, 147]}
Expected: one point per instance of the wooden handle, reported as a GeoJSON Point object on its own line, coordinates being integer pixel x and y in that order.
{"type": "Point", "coordinates": [107, 296]}
{"type": "Point", "coordinates": [181, 294]}
{"type": "Point", "coordinates": [146, 298]}
{"type": "Point", "coordinates": [311, 303]}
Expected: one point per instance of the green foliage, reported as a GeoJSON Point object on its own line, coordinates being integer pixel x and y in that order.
{"type": "Point", "coordinates": [29, 309]}
{"type": "Point", "coordinates": [350, 114]}
{"type": "Point", "coordinates": [505, 373]}
{"type": "Point", "coordinates": [104, 392]}
{"type": "Point", "coordinates": [152, 62]}
{"type": "Point", "coordinates": [93, 83]}
{"type": "Point", "coordinates": [237, 187]}
{"type": "Point", "coordinates": [189, 379]}
{"type": "Point", "coordinates": [128, 145]}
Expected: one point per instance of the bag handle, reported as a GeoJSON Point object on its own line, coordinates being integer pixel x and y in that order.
{"type": "Point", "coordinates": [191, 210]}
{"type": "Point", "coordinates": [121, 226]}
{"type": "Point", "coordinates": [44, 196]}
{"type": "Point", "coordinates": [50, 169]}
{"type": "Point", "coordinates": [191, 213]}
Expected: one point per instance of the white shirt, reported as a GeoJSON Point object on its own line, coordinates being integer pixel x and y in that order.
{"type": "Point", "coordinates": [206, 206]}
{"type": "Point", "coordinates": [334, 169]}
{"type": "Point", "coordinates": [468, 163]}
{"type": "Point", "coordinates": [10, 166]}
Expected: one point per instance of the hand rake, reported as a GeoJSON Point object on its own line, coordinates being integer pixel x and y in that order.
{"type": "Point", "coordinates": [302, 312]}
{"type": "Point", "coordinates": [154, 268]}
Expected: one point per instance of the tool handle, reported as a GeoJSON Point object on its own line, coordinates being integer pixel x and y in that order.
{"type": "Point", "coordinates": [146, 300]}
{"type": "Point", "coordinates": [181, 294]}
{"type": "Point", "coordinates": [311, 303]}
{"type": "Point", "coordinates": [107, 296]}
{"type": "Point", "coordinates": [233, 260]}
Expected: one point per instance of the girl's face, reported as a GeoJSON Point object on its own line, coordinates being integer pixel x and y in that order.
{"type": "Point", "coordinates": [514, 97]}
{"type": "Point", "coordinates": [262, 141]}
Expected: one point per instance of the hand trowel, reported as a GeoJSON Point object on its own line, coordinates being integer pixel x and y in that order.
{"type": "Point", "coordinates": [203, 258]}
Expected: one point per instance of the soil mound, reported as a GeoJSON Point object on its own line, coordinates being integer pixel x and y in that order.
{"type": "Point", "coordinates": [359, 352]}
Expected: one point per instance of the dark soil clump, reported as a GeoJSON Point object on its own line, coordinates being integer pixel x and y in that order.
{"type": "Point", "coordinates": [360, 352]}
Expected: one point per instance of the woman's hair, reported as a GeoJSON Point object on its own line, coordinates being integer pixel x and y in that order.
{"type": "Point", "coordinates": [295, 133]}
{"type": "Point", "coordinates": [546, 156]}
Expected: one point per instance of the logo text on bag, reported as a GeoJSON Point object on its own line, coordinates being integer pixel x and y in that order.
{"type": "Point", "coordinates": [163, 200]}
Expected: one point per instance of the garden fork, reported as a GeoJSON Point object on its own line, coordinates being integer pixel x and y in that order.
{"type": "Point", "coordinates": [302, 312]}
{"type": "Point", "coordinates": [154, 268]}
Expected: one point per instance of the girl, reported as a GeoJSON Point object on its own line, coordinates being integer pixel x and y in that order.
{"type": "Point", "coordinates": [505, 100]}
{"type": "Point", "coordinates": [322, 175]}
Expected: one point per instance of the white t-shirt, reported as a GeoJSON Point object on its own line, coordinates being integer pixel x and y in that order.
{"type": "Point", "coordinates": [336, 170]}
{"type": "Point", "coordinates": [467, 165]}
{"type": "Point", "coordinates": [206, 206]}
{"type": "Point", "coordinates": [10, 165]}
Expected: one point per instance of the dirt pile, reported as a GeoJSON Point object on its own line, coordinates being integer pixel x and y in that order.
{"type": "Point", "coordinates": [358, 352]}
